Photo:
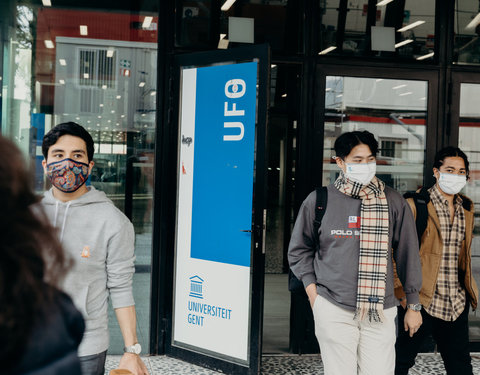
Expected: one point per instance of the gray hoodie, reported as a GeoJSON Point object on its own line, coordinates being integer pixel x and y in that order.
{"type": "Point", "coordinates": [333, 267]}
{"type": "Point", "coordinates": [100, 240]}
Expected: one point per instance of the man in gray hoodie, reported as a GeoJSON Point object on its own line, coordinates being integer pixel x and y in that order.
{"type": "Point", "coordinates": [347, 267]}
{"type": "Point", "coordinates": [100, 240]}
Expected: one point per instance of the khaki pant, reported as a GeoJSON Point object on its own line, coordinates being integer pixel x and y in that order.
{"type": "Point", "coordinates": [350, 347]}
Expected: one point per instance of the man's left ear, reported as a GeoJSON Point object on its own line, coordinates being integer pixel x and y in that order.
{"type": "Point", "coordinates": [90, 167]}
{"type": "Point", "coordinates": [436, 173]}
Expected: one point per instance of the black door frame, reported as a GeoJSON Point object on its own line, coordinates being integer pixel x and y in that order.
{"type": "Point", "coordinates": [167, 194]}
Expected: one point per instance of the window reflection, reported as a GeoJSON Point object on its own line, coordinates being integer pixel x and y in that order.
{"type": "Point", "coordinates": [467, 31]}
{"type": "Point", "coordinates": [408, 28]}
{"type": "Point", "coordinates": [394, 111]}
{"type": "Point", "coordinates": [96, 68]}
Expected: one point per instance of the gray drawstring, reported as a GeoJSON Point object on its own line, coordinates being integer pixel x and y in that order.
{"type": "Point", "coordinates": [64, 220]}
{"type": "Point", "coordinates": [56, 213]}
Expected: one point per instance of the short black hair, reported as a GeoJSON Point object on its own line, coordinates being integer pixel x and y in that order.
{"type": "Point", "coordinates": [347, 141]}
{"type": "Point", "coordinates": [68, 128]}
{"type": "Point", "coordinates": [450, 152]}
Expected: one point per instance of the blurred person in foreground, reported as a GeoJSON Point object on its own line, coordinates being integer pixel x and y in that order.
{"type": "Point", "coordinates": [40, 329]}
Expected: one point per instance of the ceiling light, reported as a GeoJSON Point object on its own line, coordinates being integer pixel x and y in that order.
{"type": "Point", "coordinates": [119, 96]}
{"type": "Point", "coordinates": [62, 81]}
{"type": "Point", "coordinates": [101, 105]}
{"type": "Point", "coordinates": [112, 111]}
{"type": "Point", "coordinates": [398, 87]}
{"type": "Point", "coordinates": [99, 116]}
{"type": "Point", "coordinates": [110, 52]}
{"type": "Point", "coordinates": [327, 50]}
{"type": "Point", "coordinates": [62, 62]}
{"type": "Point", "coordinates": [104, 87]}
{"type": "Point", "coordinates": [328, 89]}
{"type": "Point", "coordinates": [147, 22]}
{"type": "Point", "coordinates": [49, 44]}
{"type": "Point", "coordinates": [411, 26]}
{"type": "Point", "coordinates": [405, 93]}
{"type": "Point", "coordinates": [379, 80]}
{"type": "Point", "coordinates": [227, 5]}
{"type": "Point", "coordinates": [428, 55]}
{"type": "Point", "coordinates": [143, 114]}
{"type": "Point", "coordinates": [383, 2]}
{"type": "Point", "coordinates": [153, 93]}
{"type": "Point", "coordinates": [141, 84]}
{"type": "Point", "coordinates": [122, 116]}
{"type": "Point", "coordinates": [339, 95]}
{"type": "Point", "coordinates": [83, 30]}
{"type": "Point", "coordinates": [424, 98]}
{"type": "Point", "coordinates": [222, 36]}
{"type": "Point", "coordinates": [47, 3]}
{"type": "Point", "coordinates": [406, 41]}
{"type": "Point", "coordinates": [284, 95]}
{"type": "Point", "coordinates": [273, 66]}
{"type": "Point", "coordinates": [86, 75]}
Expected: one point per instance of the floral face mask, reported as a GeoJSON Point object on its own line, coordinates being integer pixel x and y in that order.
{"type": "Point", "coordinates": [67, 175]}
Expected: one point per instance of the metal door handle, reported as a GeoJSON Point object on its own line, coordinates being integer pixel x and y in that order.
{"type": "Point", "coordinates": [246, 230]}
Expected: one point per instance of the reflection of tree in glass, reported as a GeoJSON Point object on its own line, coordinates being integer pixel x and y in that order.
{"type": "Point", "coordinates": [24, 30]}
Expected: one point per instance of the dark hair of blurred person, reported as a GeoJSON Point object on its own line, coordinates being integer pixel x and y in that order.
{"type": "Point", "coordinates": [40, 329]}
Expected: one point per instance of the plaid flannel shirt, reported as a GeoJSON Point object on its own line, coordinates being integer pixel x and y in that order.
{"type": "Point", "coordinates": [449, 299]}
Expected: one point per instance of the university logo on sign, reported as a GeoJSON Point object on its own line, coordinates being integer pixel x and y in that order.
{"type": "Point", "coordinates": [196, 287]}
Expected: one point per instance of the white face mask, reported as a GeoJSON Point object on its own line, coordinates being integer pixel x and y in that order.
{"type": "Point", "coordinates": [361, 172]}
{"type": "Point", "coordinates": [451, 183]}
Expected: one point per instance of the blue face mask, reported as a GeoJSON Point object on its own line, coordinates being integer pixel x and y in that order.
{"type": "Point", "coordinates": [67, 175]}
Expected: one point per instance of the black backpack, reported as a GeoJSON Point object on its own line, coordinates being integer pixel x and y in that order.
{"type": "Point", "coordinates": [295, 285]}
{"type": "Point", "coordinates": [421, 200]}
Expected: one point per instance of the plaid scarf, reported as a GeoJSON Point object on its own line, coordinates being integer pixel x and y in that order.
{"type": "Point", "coordinates": [372, 262]}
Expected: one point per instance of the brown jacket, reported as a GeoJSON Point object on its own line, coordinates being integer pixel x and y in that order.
{"type": "Point", "coordinates": [431, 249]}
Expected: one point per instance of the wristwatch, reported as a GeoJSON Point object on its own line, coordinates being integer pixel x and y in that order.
{"type": "Point", "coordinates": [415, 307]}
{"type": "Point", "coordinates": [135, 348]}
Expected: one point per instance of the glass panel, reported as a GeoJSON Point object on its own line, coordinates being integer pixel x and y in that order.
{"type": "Point", "coordinates": [284, 89]}
{"type": "Point", "coordinates": [409, 34]}
{"type": "Point", "coordinates": [469, 142]}
{"type": "Point", "coordinates": [395, 111]}
{"type": "Point", "coordinates": [193, 23]}
{"type": "Point", "coordinates": [96, 68]}
{"type": "Point", "coordinates": [277, 22]}
{"type": "Point", "coordinates": [467, 29]}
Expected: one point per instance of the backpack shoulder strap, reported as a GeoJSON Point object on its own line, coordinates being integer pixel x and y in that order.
{"type": "Point", "coordinates": [421, 200]}
{"type": "Point", "coordinates": [320, 207]}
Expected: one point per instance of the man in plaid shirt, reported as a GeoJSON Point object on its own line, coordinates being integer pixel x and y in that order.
{"type": "Point", "coordinates": [448, 286]}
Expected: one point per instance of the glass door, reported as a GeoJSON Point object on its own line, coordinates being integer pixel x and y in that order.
{"type": "Point", "coordinates": [394, 110]}
{"type": "Point", "coordinates": [394, 106]}
{"type": "Point", "coordinates": [95, 65]}
{"type": "Point", "coordinates": [465, 120]}
{"type": "Point", "coordinates": [218, 215]}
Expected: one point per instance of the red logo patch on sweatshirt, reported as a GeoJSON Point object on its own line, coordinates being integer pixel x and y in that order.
{"type": "Point", "coordinates": [354, 221]}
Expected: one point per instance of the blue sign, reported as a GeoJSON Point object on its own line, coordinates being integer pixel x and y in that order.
{"type": "Point", "coordinates": [223, 177]}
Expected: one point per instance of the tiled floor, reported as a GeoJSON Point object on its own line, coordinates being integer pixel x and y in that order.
{"type": "Point", "coordinates": [427, 364]}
